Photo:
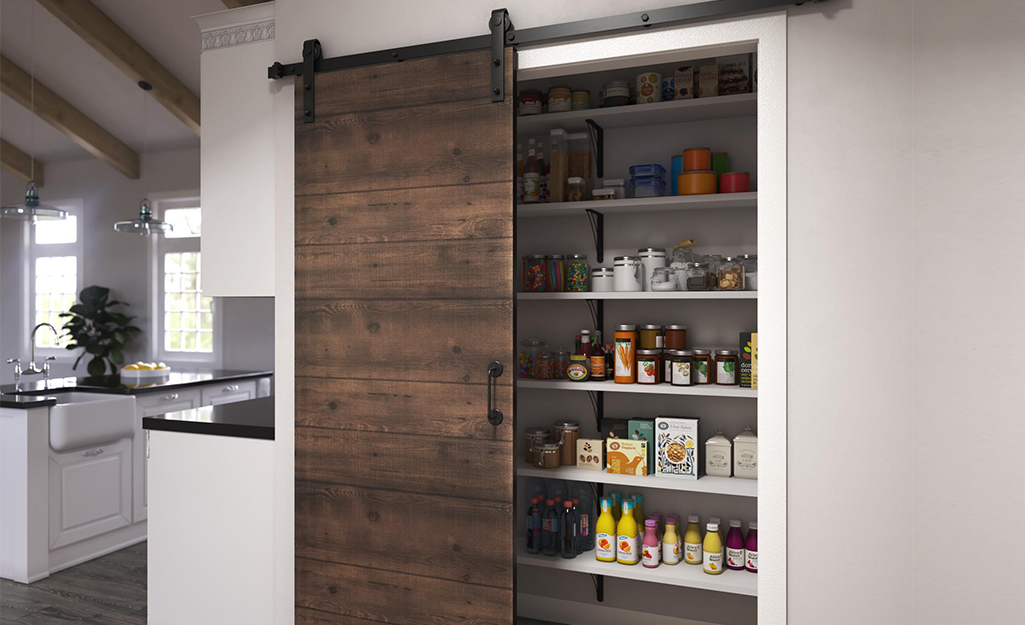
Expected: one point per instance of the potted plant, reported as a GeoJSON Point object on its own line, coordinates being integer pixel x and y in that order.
{"type": "Point", "coordinates": [100, 331]}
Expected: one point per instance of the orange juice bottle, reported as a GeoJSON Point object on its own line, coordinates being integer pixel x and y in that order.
{"type": "Point", "coordinates": [713, 551]}
{"type": "Point", "coordinates": [617, 500]}
{"type": "Point", "coordinates": [628, 544]}
{"type": "Point", "coordinates": [605, 535]}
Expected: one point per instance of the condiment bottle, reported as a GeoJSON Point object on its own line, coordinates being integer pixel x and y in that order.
{"type": "Point", "coordinates": [712, 549]}
{"type": "Point", "coordinates": [605, 529]}
{"type": "Point", "coordinates": [531, 176]}
{"type": "Point", "coordinates": [652, 554]}
{"type": "Point", "coordinates": [568, 528]}
{"type": "Point", "coordinates": [671, 541]}
{"type": "Point", "coordinates": [735, 547]}
{"type": "Point", "coordinates": [598, 360]}
{"type": "Point", "coordinates": [579, 368]}
{"type": "Point", "coordinates": [585, 343]}
{"type": "Point", "coordinates": [550, 529]}
{"type": "Point", "coordinates": [692, 543]}
{"type": "Point", "coordinates": [751, 548]}
{"type": "Point", "coordinates": [543, 168]}
{"type": "Point", "coordinates": [609, 362]}
{"type": "Point", "coordinates": [628, 542]}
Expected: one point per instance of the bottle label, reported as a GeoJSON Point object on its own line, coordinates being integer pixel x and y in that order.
{"type": "Point", "coordinates": [606, 546]}
{"type": "Point", "coordinates": [546, 525]}
{"type": "Point", "coordinates": [652, 556]}
{"type": "Point", "coordinates": [577, 372]}
{"type": "Point", "coordinates": [583, 525]}
{"type": "Point", "coordinates": [752, 560]}
{"type": "Point", "coordinates": [735, 558]}
{"type": "Point", "coordinates": [713, 561]}
{"type": "Point", "coordinates": [681, 374]}
{"type": "Point", "coordinates": [531, 187]}
{"type": "Point", "coordinates": [530, 522]}
{"type": "Point", "coordinates": [725, 372]}
{"type": "Point", "coordinates": [647, 373]}
{"type": "Point", "coordinates": [701, 372]}
{"type": "Point", "coordinates": [693, 552]}
{"type": "Point", "coordinates": [598, 367]}
{"type": "Point", "coordinates": [624, 358]}
{"type": "Point", "coordinates": [628, 549]}
{"type": "Point", "coordinates": [671, 553]}
{"type": "Point", "coordinates": [669, 371]}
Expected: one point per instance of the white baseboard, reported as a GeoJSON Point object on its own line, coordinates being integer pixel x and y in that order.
{"type": "Point", "coordinates": [91, 548]}
{"type": "Point", "coordinates": [576, 613]}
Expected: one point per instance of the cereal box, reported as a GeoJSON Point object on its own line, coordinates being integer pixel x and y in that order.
{"type": "Point", "coordinates": [708, 81]}
{"type": "Point", "coordinates": [626, 457]}
{"type": "Point", "coordinates": [749, 360]}
{"type": "Point", "coordinates": [676, 447]}
{"type": "Point", "coordinates": [590, 454]}
{"type": "Point", "coordinates": [683, 82]}
{"type": "Point", "coordinates": [734, 74]}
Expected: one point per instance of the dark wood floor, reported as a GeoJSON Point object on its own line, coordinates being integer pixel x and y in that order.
{"type": "Point", "coordinates": [110, 590]}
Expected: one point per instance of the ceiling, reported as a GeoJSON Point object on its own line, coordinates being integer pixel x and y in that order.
{"type": "Point", "coordinates": [79, 74]}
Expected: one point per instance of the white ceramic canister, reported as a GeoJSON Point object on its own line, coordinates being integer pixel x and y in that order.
{"type": "Point", "coordinates": [627, 272]}
{"type": "Point", "coordinates": [649, 87]}
{"type": "Point", "coordinates": [602, 280]}
{"type": "Point", "coordinates": [651, 259]}
{"type": "Point", "coordinates": [745, 455]}
{"type": "Point", "coordinates": [718, 456]}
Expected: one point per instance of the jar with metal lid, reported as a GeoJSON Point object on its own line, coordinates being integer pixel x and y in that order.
{"type": "Point", "coordinates": [602, 280]}
{"type": "Point", "coordinates": [578, 273]}
{"type": "Point", "coordinates": [580, 99]}
{"type": "Point", "coordinates": [718, 456]}
{"type": "Point", "coordinates": [676, 337]}
{"type": "Point", "coordinates": [627, 273]}
{"type": "Point", "coordinates": [530, 102]}
{"type": "Point", "coordinates": [625, 354]}
{"type": "Point", "coordinates": [535, 273]}
{"type": "Point", "coordinates": [532, 440]}
{"type": "Point", "coordinates": [664, 279]}
{"type": "Point", "coordinates": [559, 99]}
{"type": "Point", "coordinates": [731, 274]}
{"type": "Point", "coordinates": [530, 348]}
{"type": "Point", "coordinates": [651, 337]}
{"type": "Point", "coordinates": [566, 433]}
{"type": "Point", "coordinates": [560, 364]}
{"type": "Point", "coordinates": [702, 368]}
{"type": "Point", "coordinates": [726, 367]}
{"type": "Point", "coordinates": [544, 366]}
{"type": "Point", "coordinates": [579, 368]}
{"type": "Point", "coordinates": [713, 261]}
{"type": "Point", "coordinates": [547, 456]}
{"type": "Point", "coordinates": [556, 273]}
{"type": "Point", "coordinates": [615, 93]}
{"type": "Point", "coordinates": [683, 360]}
{"type": "Point", "coordinates": [750, 262]}
{"type": "Point", "coordinates": [576, 189]}
{"type": "Point", "coordinates": [648, 364]}
{"type": "Point", "coordinates": [698, 278]}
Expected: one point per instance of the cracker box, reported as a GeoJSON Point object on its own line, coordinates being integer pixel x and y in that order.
{"type": "Point", "coordinates": [644, 429]}
{"type": "Point", "coordinates": [683, 82]}
{"type": "Point", "coordinates": [676, 447]}
{"type": "Point", "coordinates": [708, 81]}
{"type": "Point", "coordinates": [734, 74]}
{"type": "Point", "coordinates": [590, 454]}
{"type": "Point", "coordinates": [615, 428]}
{"type": "Point", "coordinates": [626, 457]}
{"type": "Point", "coordinates": [749, 360]}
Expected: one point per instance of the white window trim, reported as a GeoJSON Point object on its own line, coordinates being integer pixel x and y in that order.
{"type": "Point", "coordinates": [159, 245]}
{"type": "Point", "coordinates": [73, 207]}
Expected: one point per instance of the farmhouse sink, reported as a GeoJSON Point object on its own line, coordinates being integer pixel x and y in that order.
{"type": "Point", "coordinates": [83, 419]}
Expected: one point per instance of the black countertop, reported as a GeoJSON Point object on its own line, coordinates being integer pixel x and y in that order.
{"type": "Point", "coordinates": [113, 383]}
{"type": "Point", "coordinates": [253, 418]}
{"type": "Point", "coordinates": [24, 402]}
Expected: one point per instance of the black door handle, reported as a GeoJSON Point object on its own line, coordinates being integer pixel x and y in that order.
{"type": "Point", "coordinates": [494, 414]}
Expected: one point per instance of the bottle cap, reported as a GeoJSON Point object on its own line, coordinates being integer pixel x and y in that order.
{"type": "Point", "coordinates": [673, 519]}
{"type": "Point", "coordinates": [558, 499]}
{"type": "Point", "coordinates": [651, 523]}
{"type": "Point", "coordinates": [577, 502]}
{"type": "Point", "coordinates": [628, 505]}
{"type": "Point", "coordinates": [550, 502]}
{"type": "Point", "coordinates": [567, 504]}
{"type": "Point", "coordinates": [693, 519]}
{"type": "Point", "coordinates": [715, 519]}
{"type": "Point", "coordinates": [734, 522]}
{"type": "Point", "coordinates": [753, 525]}
{"type": "Point", "coordinates": [713, 527]}
{"type": "Point", "coordinates": [639, 498]}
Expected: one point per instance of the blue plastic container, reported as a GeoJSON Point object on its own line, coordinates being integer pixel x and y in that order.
{"type": "Point", "coordinates": [647, 186]}
{"type": "Point", "coordinates": [653, 169]}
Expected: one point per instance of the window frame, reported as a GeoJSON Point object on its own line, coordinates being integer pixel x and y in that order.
{"type": "Point", "coordinates": [46, 250]}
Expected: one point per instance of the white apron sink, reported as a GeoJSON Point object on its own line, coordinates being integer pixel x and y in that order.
{"type": "Point", "coordinates": [84, 419]}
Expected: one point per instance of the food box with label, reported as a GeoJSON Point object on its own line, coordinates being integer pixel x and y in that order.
{"type": "Point", "coordinates": [644, 429]}
{"type": "Point", "coordinates": [626, 457]}
{"type": "Point", "coordinates": [749, 360]}
{"type": "Point", "coordinates": [590, 454]}
{"type": "Point", "coordinates": [734, 74]}
{"type": "Point", "coordinates": [708, 80]}
{"type": "Point", "coordinates": [615, 428]}
{"type": "Point", "coordinates": [676, 447]}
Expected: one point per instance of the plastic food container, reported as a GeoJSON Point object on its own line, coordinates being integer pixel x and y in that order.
{"type": "Point", "coordinates": [603, 194]}
{"type": "Point", "coordinates": [618, 185]}
{"type": "Point", "coordinates": [735, 182]}
{"type": "Point", "coordinates": [653, 169]}
{"type": "Point", "coordinates": [647, 186]}
{"type": "Point", "coordinates": [696, 183]}
{"type": "Point", "coordinates": [576, 189]}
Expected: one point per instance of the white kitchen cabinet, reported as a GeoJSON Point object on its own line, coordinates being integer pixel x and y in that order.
{"type": "Point", "coordinates": [228, 392]}
{"type": "Point", "coordinates": [90, 492]}
{"type": "Point", "coordinates": [147, 406]}
{"type": "Point", "coordinates": [237, 152]}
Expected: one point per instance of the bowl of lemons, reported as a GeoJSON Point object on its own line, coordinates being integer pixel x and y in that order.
{"type": "Point", "coordinates": [144, 370]}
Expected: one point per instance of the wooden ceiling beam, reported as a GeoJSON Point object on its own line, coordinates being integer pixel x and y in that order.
{"type": "Point", "coordinates": [20, 164]}
{"type": "Point", "coordinates": [235, 4]}
{"type": "Point", "coordinates": [56, 111]}
{"type": "Point", "coordinates": [107, 38]}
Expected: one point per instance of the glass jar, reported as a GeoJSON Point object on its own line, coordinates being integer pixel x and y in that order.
{"type": "Point", "coordinates": [576, 189]}
{"type": "Point", "coordinates": [667, 366]}
{"type": "Point", "coordinates": [578, 273]}
{"type": "Point", "coordinates": [580, 100]}
{"type": "Point", "coordinates": [726, 367]}
{"type": "Point", "coordinates": [750, 262]}
{"type": "Point", "coordinates": [702, 366]}
{"type": "Point", "coordinates": [566, 433]}
{"type": "Point", "coordinates": [530, 348]}
{"type": "Point", "coordinates": [615, 93]}
{"type": "Point", "coordinates": [560, 363]}
{"type": "Point", "coordinates": [530, 102]}
{"type": "Point", "coordinates": [579, 368]}
{"type": "Point", "coordinates": [559, 99]}
{"type": "Point", "coordinates": [544, 366]}
{"type": "Point", "coordinates": [731, 275]}
{"type": "Point", "coordinates": [651, 337]}
{"type": "Point", "coordinates": [532, 440]}
{"type": "Point", "coordinates": [648, 365]}
{"type": "Point", "coordinates": [676, 337]}
{"type": "Point", "coordinates": [683, 360]}
{"type": "Point", "coordinates": [625, 354]}
{"type": "Point", "coordinates": [713, 261]}
{"type": "Point", "coordinates": [556, 273]}
{"type": "Point", "coordinates": [627, 273]}
{"type": "Point", "coordinates": [602, 280]}
{"type": "Point", "coordinates": [535, 273]}
{"type": "Point", "coordinates": [548, 455]}
{"type": "Point", "coordinates": [698, 278]}
{"type": "Point", "coordinates": [664, 279]}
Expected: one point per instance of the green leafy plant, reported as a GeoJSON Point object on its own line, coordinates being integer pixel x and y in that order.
{"type": "Point", "coordinates": [100, 331]}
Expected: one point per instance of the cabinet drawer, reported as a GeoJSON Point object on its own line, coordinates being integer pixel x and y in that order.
{"type": "Point", "coordinates": [90, 492]}
{"type": "Point", "coordinates": [161, 402]}
{"type": "Point", "coordinates": [228, 392]}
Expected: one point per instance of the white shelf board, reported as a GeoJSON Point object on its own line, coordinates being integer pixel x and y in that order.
{"type": "Point", "coordinates": [732, 486]}
{"type": "Point", "coordinates": [689, 575]}
{"type": "Point", "coordinates": [701, 390]}
{"type": "Point", "coordinates": [658, 113]}
{"type": "Point", "coordinates": [710, 201]}
{"type": "Point", "coordinates": [645, 295]}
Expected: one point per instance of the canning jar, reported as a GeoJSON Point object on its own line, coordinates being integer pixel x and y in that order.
{"type": "Point", "coordinates": [627, 273]}
{"type": "Point", "coordinates": [750, 262]}
{"type": "Point", "coordinates": [566, 433]}
{"type": "Point", "coordinates": [535, 273]}
{"type": "Point", "coordinates": [579, 368]}
{"type": "Point", "coordinates": [625, 354]}
{"type": "Point", "coordinates": [731, 274]}
{"type": "Point", "coordinates": [530, 348]}
{"type": "Point", "coordinates": [544, 366]}
{"type": "Point", "coordinates": [556, 273]}
{"type": "Point", "coordinates": [664, 279]}
{"type": "Point", "coordinates": [615, 93]}
{"type": "Point", "coordinates": [648, 366]}
{"type": "Point", "coordinates": [651, 337]}
{"type": "Point", "coordinates": [547, 455]}
{"type": "Point", "coordinates": [576, 189]}
{"type": "Point", "coordinates": [683, 360]}
{"type": "Point", "coordinates": [532, 440]}
{"type": "Point", "coordinates": [726, 367]}
{"type": "Point", "coordinates": [578, 273]}
{"type": "Point", "coordinates": [698, 278]}
{"type": "Point", "coordinates": [676, 337]}
{"type": "Point", "coordinates": [602, 280]}
{"type": "Point", "coordinates": [559, 99]}
{"type": "Point", "coordinates": [560, 363]}
{"type": "Point", "coordinates": [530, 102]}
{"type": "Point", "coordinates": [651, 259]}
{"type": "Point", "coordinates": [702, 366]}
{"type": "Point", "coordinates": [580, 100]}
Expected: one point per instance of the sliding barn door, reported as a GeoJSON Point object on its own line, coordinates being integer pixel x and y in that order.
{"type": "Point", "coordinates": [404, 296]}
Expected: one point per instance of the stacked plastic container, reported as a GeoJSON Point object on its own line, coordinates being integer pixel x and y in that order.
{"type": "Point", "coordinates": [647, 180]}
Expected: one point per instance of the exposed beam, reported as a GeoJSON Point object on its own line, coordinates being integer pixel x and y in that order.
{"type": "Point", "coordinates": [56, 111]}
{"type": "Point", "coordinates": [99, 31]}
{"type": "Point", "coordinates": [234, 4]}
{"type": "Point", "coordinates": [20, 164]}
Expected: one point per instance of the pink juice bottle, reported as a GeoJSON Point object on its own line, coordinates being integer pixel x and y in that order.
{"type": "Point", "coordinates": [735, 556]}
{"type": "Point", "coordinates": [652, 555]}
{"type": "Point", "coordinates": [751, 548]}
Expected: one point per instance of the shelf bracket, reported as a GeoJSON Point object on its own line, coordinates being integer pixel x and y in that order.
{"type": "Point", "coordinates": [499, 24]}
{"type": "Point", "coordinates": [311, 52]}
{"type": "Point", "coordinates": [597, 134]}
{"type": "Point", "coordinates": [597, 221]}
{"type": "Point", "coordinates": [599, 586]}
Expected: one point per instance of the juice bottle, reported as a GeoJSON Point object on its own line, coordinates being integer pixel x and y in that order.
{"type": "Point", "coordinates": [671, 541]}
{"type": "Point", "coordinates": [735, 547]}
{"type": "Point", "coordinates": [718, 521]}
{"type": "Point", "coordinates": [534, 526]}
{"type": "Point", "coordinates": [713, 552]}
{"type": "Point", "coordinates": [606, 531]}
{"type": "Point", "coordinates": [637, 498]}
{"type": "Point", "coordinates": [628, 542]}
{"type": "Point", "coordinates": [692, 541]}
{"type": "Point", "coordinates": [550, 529]}
{"type": "Point", "coordinates": [751, 548]}
{"type": "Point", "coordinates": [568, 531]}
{"type": "Point", "coordinates": [617, 505]}
{"type": "Point", "coordinates": [652, 552]}
{"type": "Point", "coordinates": [658, 528]}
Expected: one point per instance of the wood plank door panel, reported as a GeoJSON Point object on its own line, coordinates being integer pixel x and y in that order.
{"type": "Point", "coordinates": [404, 295]}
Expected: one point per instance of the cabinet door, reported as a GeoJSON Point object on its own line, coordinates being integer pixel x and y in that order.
{"type": "Point", "coordinates": [404, 285]}
{"type": "Point", "coordinates": [149, 405]}
{"type": "Point", "coordinates": [90, 492]}
{"type": "Point", "coordinates": [228, 392]}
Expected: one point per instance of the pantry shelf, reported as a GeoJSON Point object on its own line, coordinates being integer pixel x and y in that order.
{"type": "Point", "coordinates": [639, 295]}
{"type": "Point", "coordinates": [641, 205]}
{"type": "Point", "coordinates": [732, 486]}
{"type": "Point", "coordinates": [734, 582]}
{"type": "Point", "coordinates": [700, 390]}
{"type": "Point", "coordinates": [658, 113]}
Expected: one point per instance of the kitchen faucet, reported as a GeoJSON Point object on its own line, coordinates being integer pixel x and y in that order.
{"type": "Point", "coordinates": [32, 370]}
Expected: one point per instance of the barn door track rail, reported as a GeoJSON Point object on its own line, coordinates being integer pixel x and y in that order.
{"type": "Point", "coordinates": [500, 28]}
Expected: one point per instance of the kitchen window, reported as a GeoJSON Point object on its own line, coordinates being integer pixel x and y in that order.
{"type": "Point", "coordinates": [56, 256]}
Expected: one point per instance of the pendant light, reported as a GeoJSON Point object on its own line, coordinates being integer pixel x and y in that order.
{"type": "Point", "coordinates": [144, 224]}
{"type": "Point", "coordinates": [31, 210]}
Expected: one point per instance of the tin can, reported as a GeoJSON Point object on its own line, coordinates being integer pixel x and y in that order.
{"type": "Point", "coordinates": [668, 88]}
{"type": "Point", "coordinates": [581, 100]}
{"type": "Point", "coordinates": [720, 163]}
{"type": "Point", "coordinates": [735, 182]}
{"type": "Point", "coordinates": [559, 100]}
{"type": "Point", "coordinates": [649, 87]}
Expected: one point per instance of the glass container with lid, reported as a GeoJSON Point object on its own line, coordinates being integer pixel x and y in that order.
{"type": "Point", "coordinates": [703, 369]}
{"type": "Point", "coordinates": [651, 337]}
{"type": "Point", "coordinates": [750, 262]}
{"type": "Point", "coordinates": [651, 259]}
{"type": "Point", "coordinates": [648, 365]}
{"type": "Point", "coordinates": [578, 273]}
{"type": "Point", "coordinates": [532, 439]}
{"type": "Point", "coordinates": [730, 275]}
{"type": "Point", "coordinates": [559, 99]}
{"type": "Point", "coordinates": [548, 455]}
{"type": "Point", "coordinates": [683, 360]}
{"type": "Point", "coordinates": [615, 93]}
{"type": "Point", "coordinates": [726, 361]}
{"type": "Point", "coordinates": [560, 363]}
{"type": "Point", "coordinates": [576, 189]}
{"type": "Point", "coordinates": [664, 279]}
{"type": "Point", "coordinates": [535, 273]}
{"type": "Point", "coordinates": [530, 349]}
{"type": "Point", "coordinates": [544, 366]}
{"type": "Point", "coordinates": [698, 277]}
{"type": "Point", "coordinates": [602, 280]}
{"type": "Point", "coordinates": [556, 273]}
{"type": "Point", "coordinates": [676, 337]}
{"type": "Point", "coordinates": [530, 102]}
{"type": "Point", "coordinates": [625, 354]}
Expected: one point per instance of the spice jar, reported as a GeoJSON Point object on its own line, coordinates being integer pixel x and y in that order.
{"type": "Point", "coordinates": [698, 278]}
{"type": "Point", "coordinates": [615, 93]}
{"type": "Point", "coordinates": [566, 433]}
{"type": "Point", "coordinates": [726, 367]}
{"type": "Point", "coordinates": [627, 273]}
{"type": "Point", "coordinates": [664, 279]}
{"type": "Point", "coordinates": [579, 368]}
{"type": "Point", "coordinates": [544, 366]}
{"type": "Point", "coordinates": [683, 360]}
{"type": "Point", "coordinates": [750, 262]}
{"type": "Point", "coordinates": [530, 348]}
{"type": "Point", "coordinates": [559, 99]}
{"type": "Point", "coordinates": [651, 337]}
{"type": "Point", "coordinates": [602, 280]}
{"type": "Point", "coordinates": [548, 456]}
{"type": "Point", "coordinates": [535, 273]}
{"type": "Point", "coordinates": [648, 366]}
{"type": "Point", "coordinates": [530, 102]}
{"type": "Point", "coordinates": [578, 273]}
{"type": "Point", "coordinates": [676, 337]}
{"type": "Point", "coordinates": [556, 273]}
{"type": "Point", "coordinates": [625, 354]}
{"type": "Point", "coordinates": [731, 274]}
{"type": "Point", "coordinates": [560, 364]}
{"type": "Point", "coordinates": [702, 366]}
{"type": "Point", "coordinates": [576, 189]}
{"type": "Point", "coordinates": [532, 439]}
{"type": "Point", "coordinates": [580, 100]}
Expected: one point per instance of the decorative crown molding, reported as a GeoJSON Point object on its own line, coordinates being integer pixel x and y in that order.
{"type": "Point", "coordinates": [238, 35]}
